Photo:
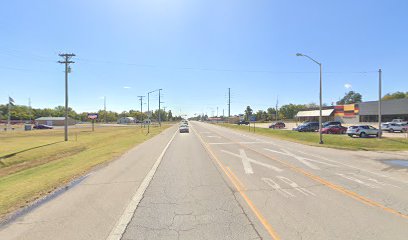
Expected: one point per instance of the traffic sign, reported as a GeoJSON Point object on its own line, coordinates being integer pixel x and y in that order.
{"type": "Point", "coordinates": [252, 118]}
{"type": "Point", "coordinates": [92, 116]}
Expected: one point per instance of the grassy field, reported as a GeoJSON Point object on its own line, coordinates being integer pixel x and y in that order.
{"type": "Point", "coordinates": [35, 163]}
{"type": "Point", "coordinates": [330, 140]}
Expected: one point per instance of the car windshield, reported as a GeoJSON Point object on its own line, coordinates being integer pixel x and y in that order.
{"type": "Point", "coordinates": [203, 119]}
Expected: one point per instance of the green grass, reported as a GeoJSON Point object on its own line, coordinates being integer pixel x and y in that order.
{"type": "Point", "coordinates": [330, 140]}
{"type": "Point", "coordinates": [35, 163]}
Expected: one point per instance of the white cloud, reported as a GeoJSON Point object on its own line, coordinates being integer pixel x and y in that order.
{"type": "Point", "coordinates": [126, 87]}
{"type": "Point", "coordinates": [347, 85]}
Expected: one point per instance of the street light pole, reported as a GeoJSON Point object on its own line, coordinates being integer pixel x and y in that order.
{"type": "Point", "coordinates": [379, 103]}
{"type": "Point", "coordinates": [148, 107]}
{"type": "Point", "coordinates": [320, 95]}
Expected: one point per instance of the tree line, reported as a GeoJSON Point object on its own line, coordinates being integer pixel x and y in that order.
{"type": "Point", "coordinates": [25, 113]}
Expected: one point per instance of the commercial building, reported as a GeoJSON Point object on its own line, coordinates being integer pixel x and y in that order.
{"type": "Point", "coordinates": [359, 112]}
{"type": "Point", "coordinates": [390, 109]}
{"type": "Point", "coordinates": [54, 121]}
{"type": "Point", "coordinates": [126, 120]}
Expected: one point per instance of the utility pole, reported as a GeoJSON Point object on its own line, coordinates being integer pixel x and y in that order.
{"type": "Point", "coordinates": [379, 102]}
{"type": "Point", "coordinates": [141, 110]}
{"type": "Point", "coordinates": [276, 108]}
{"type": "Point", "coordinates": [159, 108]}
{"type": "Point", "coordinates": [217, 111]}
{"type": "Point", "coordinates": [29, 108]}
{"type": "Point", "coordinates": [66, 57]}
{"type": "Point", "coordinates": [229, 102]}
{"type": "Point", "coordinates": [104, 109]}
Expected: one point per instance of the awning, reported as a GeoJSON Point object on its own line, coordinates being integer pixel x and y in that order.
{"type": "Point", "coordinates": [315, 113]}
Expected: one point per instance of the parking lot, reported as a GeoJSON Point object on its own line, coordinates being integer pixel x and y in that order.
{"type": "Point", "coordinates": [291, 125]}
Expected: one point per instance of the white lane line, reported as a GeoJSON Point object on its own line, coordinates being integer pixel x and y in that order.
{"type": "Point", "coordinates": [356, 180]}
{"type": "Point", "coordinates": [227, 143]}
{"type": "Point", "coordinates": [213, 136]}
{"type": "Point", "coordinates": [255, 161]}
{"type": "Point", "coordinates": [120, 227]}
{"type": "Point", "coordinates": [245, 162]}
{"type": "Point", "coordinates": [276, 187]}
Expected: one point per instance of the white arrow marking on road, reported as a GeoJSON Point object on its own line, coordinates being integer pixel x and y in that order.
{"type": "Point", "coordinates": [245, 162]}
{"type": "Point", "coordinates": [255, 161]}
{"type": "Point", "coordinates": [276, 186]}
{"type": "Point", "coordinates": [294, 185]}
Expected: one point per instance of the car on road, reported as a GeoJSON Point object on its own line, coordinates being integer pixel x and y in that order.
{"type": "Point", "coordinates": [277, 125]}
{"type": "Point", "coordinates": [393, 127]}
{"type": "Point", "coordinates": [331, 123]}
{"type": "Point", "coordinates": [307, 127]}
{"type": "Point", "coordinates": [42, 126]}
{"type": "Point", "coordinates": [242, 122]}
{"type": "Point", "coordinates": [362, 131]}
{"type": "Point", "coordinates": [184, 129]}
{"type": "Point", "coordinates": [398, 121]}
{"type": "Point", "coordinates": [334, 129]}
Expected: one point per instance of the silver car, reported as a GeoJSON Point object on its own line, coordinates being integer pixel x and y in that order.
{"type": "Point", "coordinates": [362, 131]}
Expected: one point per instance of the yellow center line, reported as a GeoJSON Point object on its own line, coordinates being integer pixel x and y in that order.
{"type": "Point", "coordinates": [239, 187]}
{"type": "Point", "coordinates": [327, 183]}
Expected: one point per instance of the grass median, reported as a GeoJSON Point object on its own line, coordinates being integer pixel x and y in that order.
{"type": "Point", "coordinates": [33, 164]}
{"type": "Point", "coordinates": [331, 140]}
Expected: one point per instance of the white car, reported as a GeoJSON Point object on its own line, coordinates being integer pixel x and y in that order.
{"type": "Point", "coordinates": [362, 131]}
{"type": "Point", "coordinates": [184, 129]}
{"type": "Point", "coordinates": [393, 127]}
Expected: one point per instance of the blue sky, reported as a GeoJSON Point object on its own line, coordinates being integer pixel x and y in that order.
{"type": "Point", "coordinates": [195, 50]}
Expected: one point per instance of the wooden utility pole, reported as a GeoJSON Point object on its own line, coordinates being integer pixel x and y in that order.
{"type": "Point", "coordinates": [66, 57]}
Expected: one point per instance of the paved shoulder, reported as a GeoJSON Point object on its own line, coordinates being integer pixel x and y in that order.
{"type": "Point", "coordinates": [189, 199]}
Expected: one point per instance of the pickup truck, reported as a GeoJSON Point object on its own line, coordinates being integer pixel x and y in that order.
{"type": "Point", "coordinates": [242, 122]}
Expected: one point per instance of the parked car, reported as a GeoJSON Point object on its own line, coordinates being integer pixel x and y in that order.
{"type": "Point", "coordinates": [331, 123]}
{"type": "Point", "coordinates": [184, 129]}
{"type": "Point", "coordinates": [398, 121]}
{"type": "Point", "coordinates": [277, 125]}
{"type": "Point", "coordinates": [307, 127]}
{"type": "Point", "coordinates": [362, 131]}
{"type": "Point", "coordinates": [334, 129]}
{"type": "Point", "coordinates": [393, 127]}
{"type": "Point", "coordinates": [42, 126]}
{"type": "Point", "coordinates": [242, 122]}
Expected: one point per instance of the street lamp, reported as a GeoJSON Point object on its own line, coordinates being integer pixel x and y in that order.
{"type": "Point", "coordinates": [320, 95]}
{"type": "Point", "coordinates": [148, 107]}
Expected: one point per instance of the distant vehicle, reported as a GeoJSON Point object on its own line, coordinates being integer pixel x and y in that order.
{"type": "Point", "coordinates": [398, 121]}
{"type": "Point", "coordinates": [331, 123]}
{"type": "Point", "coordinates": [42, 126]}
{"type": "Point", "coordinates": [334, 129]}
{"type": "Point", "coordinates": [362, 131]}
{"type": "Point", "coordinates": [277, 125]}
{"type": "Point", "coordinates": [393, 127]}
{"type": "Point", "coordinates": [242, 122]}
{"type": "Point", "coordinates": [184, 129]}
{"type": "Point", "coordinates": [307, 127]}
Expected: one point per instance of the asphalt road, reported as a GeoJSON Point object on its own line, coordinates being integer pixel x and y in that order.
{"type": "Point", "coordinates": [217, 183]}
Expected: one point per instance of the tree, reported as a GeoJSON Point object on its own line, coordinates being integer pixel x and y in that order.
{"type": "Point", "coordinates": [289, 111]}
{"type": "Point", "coordinates": [271, 113]}
{"type": "Point", "coordinates": [170, 115]}
{"type": "Point", "coordinates": [395, 95]}
{"type": "Point", "coordinates": [248, 112]}
{"type": "Point", "coordinates": [350, 97]}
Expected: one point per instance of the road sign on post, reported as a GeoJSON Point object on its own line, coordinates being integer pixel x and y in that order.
{"type": "Point", "coordinates": [252, 118]}
{"type": "Point", "coordinates": [93, 116]}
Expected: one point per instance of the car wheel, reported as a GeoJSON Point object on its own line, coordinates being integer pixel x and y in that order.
{"type": "Point", "coordinates": [350, 135]}
{"type": "Point", "coordinates": [363, 135]}
{"type": "Point", "coordinates": [391, 130]}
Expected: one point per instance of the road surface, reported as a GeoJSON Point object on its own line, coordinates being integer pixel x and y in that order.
{"type": "Point", "coordinates": [217, 183]}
